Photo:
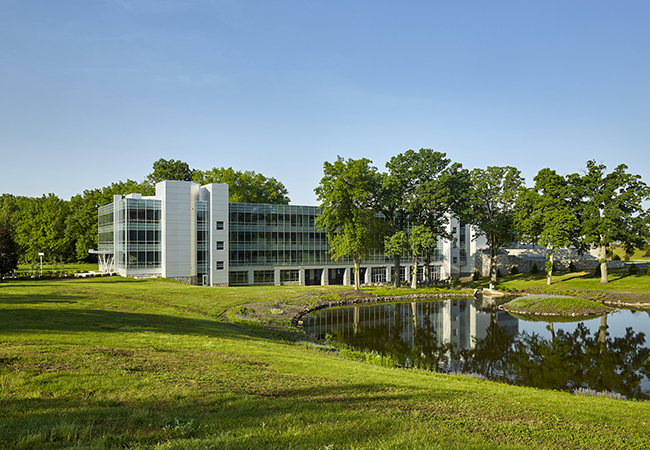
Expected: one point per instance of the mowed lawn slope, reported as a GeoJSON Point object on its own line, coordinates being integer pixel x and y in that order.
{"type": "Point", "coordinates": [115, 363]}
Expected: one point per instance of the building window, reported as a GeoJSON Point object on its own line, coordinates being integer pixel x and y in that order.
{"type": "Point", "coordinates": [289, 276]}
{"type": "Point", "coordinates": [455, 260]}
{"type": "Point", "coordinates": [219, 265]}
{"type": "Point", "coordinates": [220, 245]}
{"type": "Point", "coordinates": [238, 277]}
{"type": "Point", "coordinates": [264, 277]}
{"type": "Point", "coordinates": [219, 225]}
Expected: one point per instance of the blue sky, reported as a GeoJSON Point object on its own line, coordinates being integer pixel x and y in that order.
{"type": "Point", "coordinates": [94, 91]}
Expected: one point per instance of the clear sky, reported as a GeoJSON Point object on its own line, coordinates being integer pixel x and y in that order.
{"type": "Point", "coordinates": [95, 91]}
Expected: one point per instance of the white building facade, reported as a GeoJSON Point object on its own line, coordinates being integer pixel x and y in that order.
{"type": "Point", "coordinates": [191, 233]}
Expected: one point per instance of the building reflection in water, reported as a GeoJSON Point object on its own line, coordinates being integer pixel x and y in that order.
{"type": "Point", "coordinates": [474, 336]}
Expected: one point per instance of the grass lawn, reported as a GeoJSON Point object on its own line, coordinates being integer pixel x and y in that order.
{"type": "Point", "coordinates": [149, 364]}
{"type": "Point", "coordinates": [639, 254]}
{"type": "Point", "coordinates": [28, 269]}
{"type": "Point", "coordinates": [556, 305]}
{"type": "Point", "coordinates": [576, 282]}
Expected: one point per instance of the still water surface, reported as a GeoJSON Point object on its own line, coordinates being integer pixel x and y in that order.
{"type": "Point", "coordinates": [471, 335]}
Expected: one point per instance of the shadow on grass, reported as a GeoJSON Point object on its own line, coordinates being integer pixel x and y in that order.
{"type": "Point", "coordinates": [34, 299]}
{"type": "Point", "coordinates": [324, 415]}
{"type": "Point", "coordinates": [25, 320]}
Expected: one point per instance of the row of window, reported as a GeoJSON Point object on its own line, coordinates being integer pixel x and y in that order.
{"type": "Point", "coordinates": [265, 257]}
{"type": "Point", "coordinates": [271, 219]}
{"type": "Point", "coordinates": [236, 277]}
{"type": "Point", "coordinates": [143, 236]}
{"type": "Point", "coordinates": [139, 259]}
{"type": "Point", "coordinates": [276, 238]}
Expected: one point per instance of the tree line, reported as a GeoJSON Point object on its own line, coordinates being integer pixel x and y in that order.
{"type": "Point", "coordinates": [64, 230]}
{"type": "Point", "coordinates": [416, 195]}
{"type": "Point", "coordinates": [421, 190]}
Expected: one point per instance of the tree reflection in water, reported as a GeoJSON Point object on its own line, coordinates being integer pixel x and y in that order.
{"type": "Point", "coordinates": [418, 335]}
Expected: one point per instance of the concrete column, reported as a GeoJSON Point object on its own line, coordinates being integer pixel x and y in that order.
{"type": "Point", "coordinates": [368, 277]}
{"type": "Point", "coordinates": [277, 276]}
{"type": "Point", "coordinates": [325, 277]}
{"type": "Point", "coordinates": [346, 277]}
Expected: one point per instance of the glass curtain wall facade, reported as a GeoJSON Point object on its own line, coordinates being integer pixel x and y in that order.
{"type": "Point", "coordinates": [138, 234]}
{"type": "Point", "coordinates": [270, 235]}
{"type": "Point", "coordinates": [202, 243]}
{"type": "Point", "coordinates": [105, 228]}
{"type": "Point", "coordinates": [263, 235]}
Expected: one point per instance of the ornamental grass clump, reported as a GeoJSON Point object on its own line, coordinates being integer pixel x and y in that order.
{"type": "Point", "coordinates": [591, 393]}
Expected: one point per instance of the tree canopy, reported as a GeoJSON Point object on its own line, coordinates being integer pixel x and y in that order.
{"type": "Point", "coordinates": [245, 187]}
{"type": "Point", "coordinates": [170, 170]}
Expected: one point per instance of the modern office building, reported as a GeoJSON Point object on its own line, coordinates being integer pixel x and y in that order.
{"type": "Point", "coordinates": [191, 233]}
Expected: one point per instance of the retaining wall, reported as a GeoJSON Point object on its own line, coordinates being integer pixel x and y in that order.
{"type": "Point", "coordinates": [525, 258]}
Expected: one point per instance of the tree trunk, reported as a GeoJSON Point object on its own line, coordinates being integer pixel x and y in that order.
{"type": "Point", "coordinates": [427, 274]}
{"type": "Point", "coordinates": [602, 334]}
{"type": "Point", "coordinates": [493, 265]}
{"type": "Point", "coordinates": [397, 281]}
{"type": "Point", "coordinates": [549, 273]}
{"type": "Point", "coordinates": [603, 264]}
{"type": "Point", "coordinates": [414, 275]}
{"type": "Point", "coordinates": [357, 274]}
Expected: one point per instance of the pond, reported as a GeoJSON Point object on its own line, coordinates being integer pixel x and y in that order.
{"type": "Point", "coordinates": [605, 354]}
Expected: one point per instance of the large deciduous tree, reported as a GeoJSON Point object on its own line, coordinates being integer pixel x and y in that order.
{"type": "Point", "coordinates": [8, 252]}
{"type": "Point", "coordinates": [245, 187]}
{"type": "Point", "coordinates": [547, 214]}
{"type": "Point", "coordinates": [611, 209]}
{"type": "Point", "coordinates": [347, 217]}
{"type": "Point", "coordinates": [492, 198]}
{"type": "Point", "coordinates": [422, 188]}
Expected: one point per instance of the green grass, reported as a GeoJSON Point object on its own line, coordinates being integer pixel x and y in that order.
{"type": "Point", "coordinates": [148, 364]}
{"type": "Point", "coordinates": [48, 269]}
{"type": "Point", "coordinates": [540, 304]}
{"type": "Point", "coordinates": [639, 254]}
{"type": "Point", "coordinates": [563, 282]}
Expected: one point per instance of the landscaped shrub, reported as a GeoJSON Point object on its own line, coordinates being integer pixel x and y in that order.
{"type": "Point", "coordinates": [476, 275]}
{"type": "Point", "coordinates": [514, 270]}
{"type": "Point", "coordinates": [534, 268]}
{"type": "Point", "coordinates": [633, 269]}
{"type": "Point", "coordinates": [616, 258]}
{"type": "Point", "coordinates": [647, 250]}
{"type": "Point", "coordinates": [627, 257]}
{"type": "Point", "coordinates": [572, 267]}
{"type": "Point", "coordinates": [647, 269]}
{"type": "Point", "coordinates": [609, 252]}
